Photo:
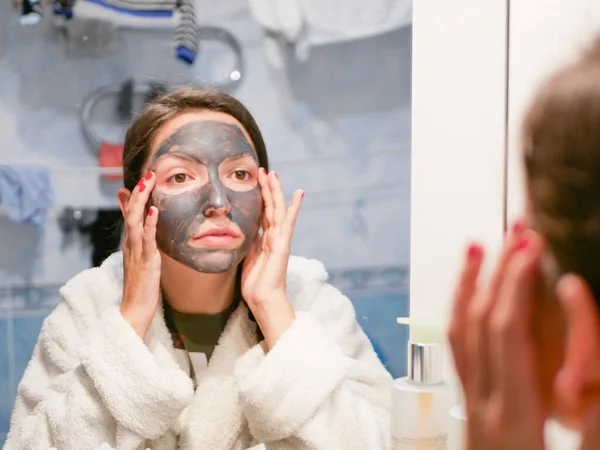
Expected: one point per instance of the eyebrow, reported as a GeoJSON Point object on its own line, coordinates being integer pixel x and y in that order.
{"type": "Point", "coordinates": [241, 156]}
{"type": "Point", "coordinates": [181, 155]}
{"type": "Point", "coordinates": [187, 157]}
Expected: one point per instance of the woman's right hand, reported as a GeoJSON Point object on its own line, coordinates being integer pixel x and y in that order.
{"type": "Point", "coordinates": [141, 259]}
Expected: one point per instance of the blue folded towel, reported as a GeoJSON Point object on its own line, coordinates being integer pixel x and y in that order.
{"type": "Point", "coordinates": [26, 194]}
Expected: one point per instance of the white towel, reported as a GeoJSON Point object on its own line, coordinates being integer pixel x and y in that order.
{"type": "Point", "coordinates": [307, 23]}
{"type": "Point", "coordinates": [144, 14]}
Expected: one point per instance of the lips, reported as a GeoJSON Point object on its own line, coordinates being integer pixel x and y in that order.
{"type": "Point", "coordinates": [219, 232]}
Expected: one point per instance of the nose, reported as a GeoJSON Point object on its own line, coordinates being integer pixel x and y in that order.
{"type": "Point", "coordinates": [217, 200]}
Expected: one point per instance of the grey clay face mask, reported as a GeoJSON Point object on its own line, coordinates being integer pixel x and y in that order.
{"type": "Point", "coordinates": [181, 215]}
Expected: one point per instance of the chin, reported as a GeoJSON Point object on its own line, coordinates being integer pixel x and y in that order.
{"type": "Point", "coordinates": [215, 262]}
{"type": "Point", "coordinates": [209, 261]}
{"type": "Point", "coordinates": [213, 270]}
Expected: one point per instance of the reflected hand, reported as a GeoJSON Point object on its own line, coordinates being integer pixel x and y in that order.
{"type": "Point", "coordinates": [265, 267]}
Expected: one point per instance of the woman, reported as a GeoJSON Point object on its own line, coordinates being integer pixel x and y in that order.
{"type": "Point", "coordinates": [123, 358]}
{"type": "Point", "coordinates": [527, 343]}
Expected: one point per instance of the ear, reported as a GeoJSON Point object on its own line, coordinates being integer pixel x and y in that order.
{"type": "Point", "coordinates": [124, 195]}
{"type": "Point", "coordinates": [579, 377]}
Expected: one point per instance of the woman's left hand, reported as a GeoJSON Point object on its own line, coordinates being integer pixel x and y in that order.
{"type": "Point", "coordinates": [491, 339]}
{"type": "Point", "coordinates": [265, 267]}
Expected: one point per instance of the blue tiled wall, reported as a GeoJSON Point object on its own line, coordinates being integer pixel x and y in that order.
{"type": "Point", "coordinates": [376, 312]}
{"type": "Point", "coordinates": [26, 327]}
{"type": "Point", "coordinates": [350, 100]}
{"type": "Point", "coordinates": [19, 332]}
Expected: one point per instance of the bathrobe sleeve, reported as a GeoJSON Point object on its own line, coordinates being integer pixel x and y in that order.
{"type": "Point", "coordinates": [321, 386]}
{"type": "Point", "coordinates": [90, 383]}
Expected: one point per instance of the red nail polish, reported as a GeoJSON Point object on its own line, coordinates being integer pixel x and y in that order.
{"type": "Point", "coordinates": [148, 175]}
{"type": "Point", "coordinates": [473, 250]}
{"type": "Point", "coordinates": [150, 211]}
{"type": "Point", "coordinates": [142, 187]}
{"type": "Point", "coordinates": [276, 176]}
{"type": "Point", "coordinates": [302, 196]}
{"type": "Point", "coordinates": [517, 227]}
{"type": "Point", "coordinates": [522, 244]}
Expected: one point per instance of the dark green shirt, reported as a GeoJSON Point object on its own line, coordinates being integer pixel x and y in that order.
{"type": "Point", "coordinates": [197, 333]}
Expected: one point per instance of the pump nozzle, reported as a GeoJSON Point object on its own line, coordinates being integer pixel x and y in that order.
{"type": "Point", "coordinates": [425, 346]}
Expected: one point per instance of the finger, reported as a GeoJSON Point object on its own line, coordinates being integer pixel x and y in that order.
{"type": "Point", "coordinates": [517, 227]}
{"type": "Point", "coordinates": [520, 278]}
{"type": "Point", "coordinates": [265, 234]}
{"type": "Point", "coordinates": [513, 242]}
{"type": "Point", "coordinates": [258, 244]}
{"type": "Point", "coordinates": [267, 197]}
{"type": "Point", "coordinates": [279, 206]}
{"type": "Point", "coordinates": [591, 431]}
{"type": "Point", "coordinates": [125, 243]}
{"type": "Point", "coordinates": [580, 308]}
{"type": "Point", "coordinates": [511, 347]}
{"type": "Point", "coordinates": [263, 224]}
{"type": "Point", "coordinates": [463, 296]}
{"type": "Point", "coordinates": [134, 220]}
{"type": "Point", "coordinates": [149, 238]}
{"type": "Point", "coordinates": [289, 223]}
{"type": "Point", "coordinates": [479, 313]}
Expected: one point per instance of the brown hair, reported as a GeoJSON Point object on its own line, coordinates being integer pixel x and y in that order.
{"type": "Point", "coordinates": [157, 113]}
{"type": "Point", "coordinates": [561, 139]}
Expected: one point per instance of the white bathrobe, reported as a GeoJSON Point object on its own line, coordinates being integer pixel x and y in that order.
{"type": "Point", "coordinates": [92, 380]}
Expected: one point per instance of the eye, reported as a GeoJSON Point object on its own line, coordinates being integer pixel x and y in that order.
{"type": "Point", "coordinates": [179, 178]}
{"type": "Point", "coordinates": [241, 175]}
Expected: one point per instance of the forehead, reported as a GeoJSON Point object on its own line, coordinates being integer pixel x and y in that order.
{"type": "Point", "coordinates": [202, 115]}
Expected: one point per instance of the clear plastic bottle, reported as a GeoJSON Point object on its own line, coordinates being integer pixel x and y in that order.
{"type": "Point", "coordinates": [457, 427]}
{"type": "Point", "coordinates": [421, 400]}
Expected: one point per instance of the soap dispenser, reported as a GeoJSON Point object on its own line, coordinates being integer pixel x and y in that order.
{"type": "Point", "coordinates": [421, 400]}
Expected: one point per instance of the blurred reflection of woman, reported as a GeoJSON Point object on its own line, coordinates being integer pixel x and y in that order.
{"type": "Point", "coordinates": [203, 333]}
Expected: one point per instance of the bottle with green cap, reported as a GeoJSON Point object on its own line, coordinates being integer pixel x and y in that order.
{"type": "Point", "coordinates": [421, 400]}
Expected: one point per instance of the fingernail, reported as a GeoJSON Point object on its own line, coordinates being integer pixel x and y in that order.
{"type": "Point", "coordinates": [148, 175]}
{"type": "Point", "coordinates": [302, 196]}
{"type": "Point", "coordinates": [142, 187]}
{"type": "Point", "coordinates": [473, 250]}
{"type": "Point", "coordinates": [517, 227]}
{"type": "Point", "coordinates": [263, 170]}
{"type": "Point", "coordinates": [276, 176]}
{"type": "Point", "coordinates": [523, 243]}
{"type": "Point", "coordinates": [150, 211]}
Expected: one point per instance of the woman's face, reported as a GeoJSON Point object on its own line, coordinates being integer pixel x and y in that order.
{"type": "Point", "coordinates": [207, 191]}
